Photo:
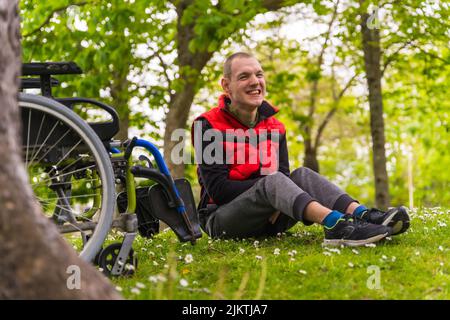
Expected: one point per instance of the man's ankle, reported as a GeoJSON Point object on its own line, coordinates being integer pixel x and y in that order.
{"type": "Point", "coordinates": [332, 219]}
{"type": "Point", "coordinates": [359, 211]}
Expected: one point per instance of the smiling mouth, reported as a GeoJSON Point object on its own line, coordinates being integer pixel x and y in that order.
{"type": "Point", "coordinates": [255, 92]}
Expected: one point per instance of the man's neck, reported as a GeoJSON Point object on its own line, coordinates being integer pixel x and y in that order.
{"type": "Point", "coordinates": [247, 117]}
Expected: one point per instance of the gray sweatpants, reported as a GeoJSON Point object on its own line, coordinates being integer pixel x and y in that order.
{"type": "Point", "coordinates": [248, 214]}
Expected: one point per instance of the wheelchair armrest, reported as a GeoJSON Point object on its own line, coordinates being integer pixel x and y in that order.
{"type": "Point", "coordinates": [105, 130]}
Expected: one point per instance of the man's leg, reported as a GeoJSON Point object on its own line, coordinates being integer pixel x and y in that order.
{"type": "Point", "coordinates": [320, 188]}
{"type": "Point", "coordinates": [331, 196]}
{"type": "Point", "coordinates": [248, 215]}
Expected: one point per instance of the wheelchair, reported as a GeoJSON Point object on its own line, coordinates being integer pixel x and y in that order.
{"type": "Point", "coordinates": [84, 180]}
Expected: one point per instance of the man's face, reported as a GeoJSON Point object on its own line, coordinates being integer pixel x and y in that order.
{"type": "Point", "coordinates": [246, 86]}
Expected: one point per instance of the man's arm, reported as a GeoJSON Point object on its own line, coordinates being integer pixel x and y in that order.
{"type": "Point", "coordinates": [215, 177]}
{"type": "Point", "coordinates": [283, 156]}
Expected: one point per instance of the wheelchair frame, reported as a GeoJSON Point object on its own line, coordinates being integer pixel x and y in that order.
{"type": "Point", "coordinates": [118, 168]}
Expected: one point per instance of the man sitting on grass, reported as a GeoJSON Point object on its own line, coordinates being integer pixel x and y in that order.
{"type": "Point", "coordinates": [247, 189]}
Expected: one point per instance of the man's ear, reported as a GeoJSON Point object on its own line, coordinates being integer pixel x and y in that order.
{"type": "Point", "coordinates": [225, 83]}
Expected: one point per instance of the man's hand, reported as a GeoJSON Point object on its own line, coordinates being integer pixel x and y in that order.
{"type": "Point", "coordinates": [273, 218]}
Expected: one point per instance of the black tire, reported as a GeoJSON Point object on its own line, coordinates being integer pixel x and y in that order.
{"type": "Point", "coordinates": [108, 256]}
{"type": "Point", "coordinates": [70, 171]}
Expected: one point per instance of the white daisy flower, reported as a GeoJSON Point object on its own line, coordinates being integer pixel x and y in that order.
{"type": "Point", "coordinates": [161, 278]}
{"type": "Point", "coordinates": [188, 258]}
{"type": "Point", "coordinates": [302, 271]}
{"type": "Point", "coordinates": [276, 251]}
{"type": "Point", "coordinates": [135, 291]}
{"type": "Point", "coordinates": [184, 283]}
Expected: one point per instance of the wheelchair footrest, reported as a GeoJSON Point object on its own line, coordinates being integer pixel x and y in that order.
{"type": "Point", "coordinates": [160, 208]}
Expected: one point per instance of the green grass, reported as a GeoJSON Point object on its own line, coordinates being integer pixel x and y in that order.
{"type": "Point", "coordinates": [414, 265]}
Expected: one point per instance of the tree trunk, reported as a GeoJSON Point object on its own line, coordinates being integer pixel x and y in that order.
{"type": "Point", "coordinates": [176, 118]}
{"type": "Point", "coordinates": [310, 158]}
{"type": "Point", "coordinates": [191, 64]}
{"type": "Point", "coordinates": [119, 94]}
{"type": "Point", "coordinates": [372, 56]}
{"type": "Point", "coordinates": [36, 263]}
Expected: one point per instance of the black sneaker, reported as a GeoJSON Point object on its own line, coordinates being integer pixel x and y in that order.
{"type": "Point", "coordinates": [396, 218]}
{"type": "Point", "coordinates": [352, 232]}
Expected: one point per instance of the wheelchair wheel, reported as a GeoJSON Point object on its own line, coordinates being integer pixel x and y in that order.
{"type": "Point", "coordinates": [108, 256]}
{"type": "Point", "coordinates": [70, 172]}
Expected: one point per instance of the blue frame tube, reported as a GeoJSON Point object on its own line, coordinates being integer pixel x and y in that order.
{"type": "Point", "coordinates": [161, 165]}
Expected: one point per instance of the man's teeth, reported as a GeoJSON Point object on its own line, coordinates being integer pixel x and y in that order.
{"type": "Point", "coordinates": [254, 92]}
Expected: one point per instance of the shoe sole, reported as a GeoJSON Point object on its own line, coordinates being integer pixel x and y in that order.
{"type": "Point", "coordinates": [354, 243]}
{"type": "Point", "coordinates": [398, 221]}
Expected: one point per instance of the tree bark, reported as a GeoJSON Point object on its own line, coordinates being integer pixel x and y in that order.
{"type": "Point", "coordinates": [119, 94]}
{"type": "Point", "coordinates": [372, 57]}
{"type": "Point", "coordinates": [311, 144]}
{"type": "Point", "coordinates": [190, 66]}
{"type": "Point", "coordinates": [310, 157]}
{"type": "Point", "coordinates": [35, 259]}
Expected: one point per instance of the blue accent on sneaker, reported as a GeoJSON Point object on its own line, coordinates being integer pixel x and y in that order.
{"type": "Point", "coordinates": [358, 212]}
{"type": "Point", "coordinates": [332, 218]}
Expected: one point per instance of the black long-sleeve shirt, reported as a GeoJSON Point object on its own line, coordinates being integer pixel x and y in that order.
{"type": "Point", "coordinates": [214, 178]}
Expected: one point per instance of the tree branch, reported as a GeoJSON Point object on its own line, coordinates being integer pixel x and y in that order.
{"type": "Point", "coordinates": [165, 68]}
{"type": "Point", "coordinates": [431, 54]}
{"type": "Point", "coordinates": [50, 16]}
{"type": "Point", "coordinates": [314, 90]}
{"type": "Point", "coordinates": [330, 114]}
{"type": "Point", "coordinates": [392, 57]}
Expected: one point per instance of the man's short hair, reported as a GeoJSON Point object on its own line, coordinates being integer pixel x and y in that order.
{"type": "Point", "coordinates": [229, 60]}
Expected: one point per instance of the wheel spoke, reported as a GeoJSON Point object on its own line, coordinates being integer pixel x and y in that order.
{"type": "Point", "coordinates": [43, 143]}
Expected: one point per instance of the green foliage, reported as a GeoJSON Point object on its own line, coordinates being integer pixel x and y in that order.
{"type": "Point", "coordinates": [216, 23]}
